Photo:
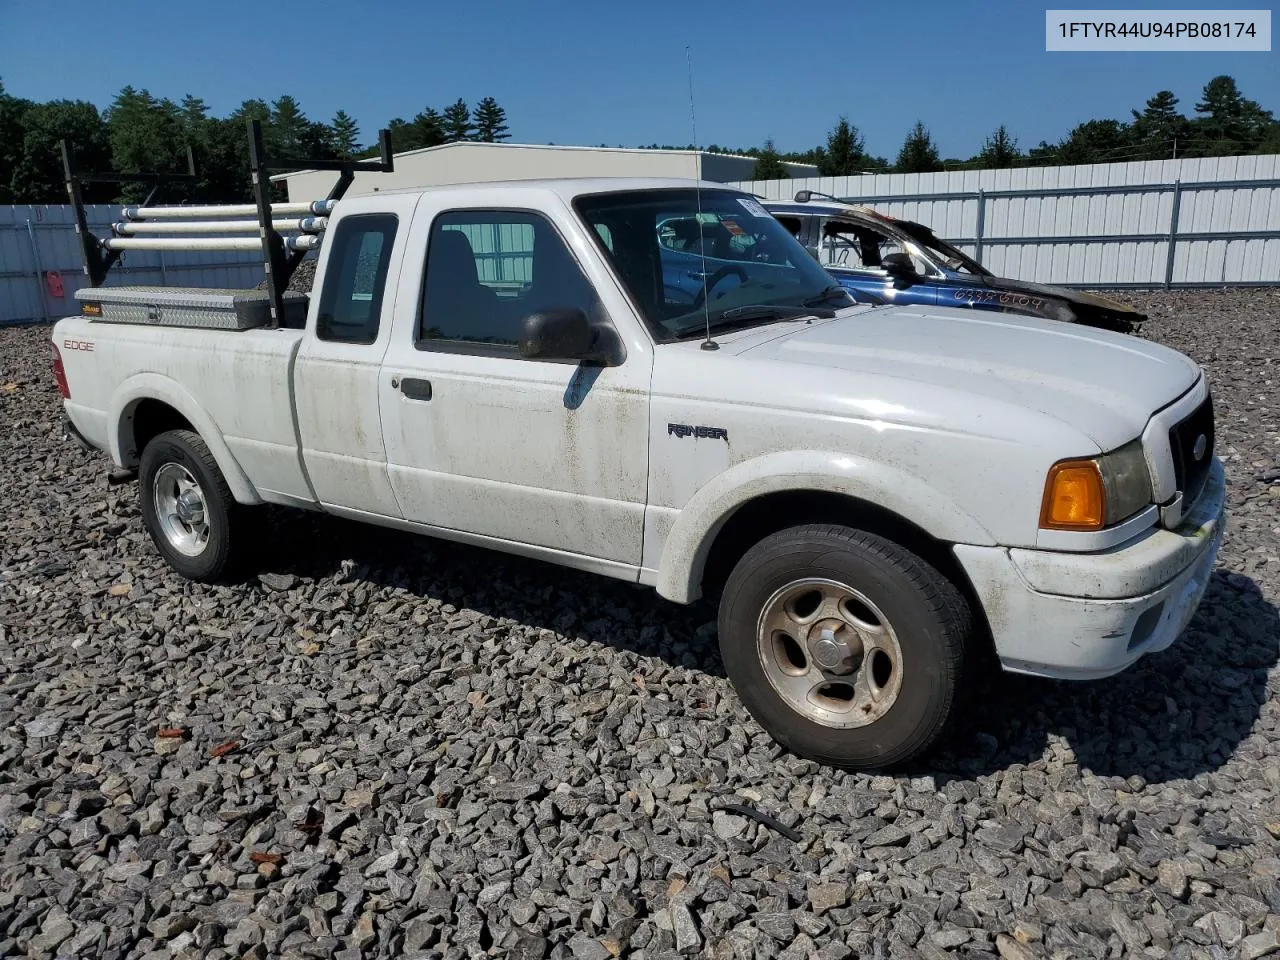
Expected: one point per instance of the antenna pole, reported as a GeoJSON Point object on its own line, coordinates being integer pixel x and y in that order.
{"type": "Point", "coordinates": [707, 344]}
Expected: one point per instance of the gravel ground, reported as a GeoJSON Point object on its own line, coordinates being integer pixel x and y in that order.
{"type": "Point", "coordinates": [384, 745]}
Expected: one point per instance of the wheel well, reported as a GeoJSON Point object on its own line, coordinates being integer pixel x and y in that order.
{"type": "Point", "coordinates": [768, 514]}
{"type": "Point", "coordinates": [145, 421]}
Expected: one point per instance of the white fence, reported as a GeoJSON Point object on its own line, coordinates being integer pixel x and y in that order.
{"type": "Point", "coordinates": [40, 266]}
{"type": "Point", "coordinates": [1170, 223]}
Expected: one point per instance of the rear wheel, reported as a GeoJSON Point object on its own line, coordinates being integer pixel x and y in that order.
{"type": "Point", "coordinates": [188, 508]}
{"type": "Point", "coordinates": [847, 648]}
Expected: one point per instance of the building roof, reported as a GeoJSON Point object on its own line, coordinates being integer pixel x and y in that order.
{"type": "Point", "coordinates": [477, 144]}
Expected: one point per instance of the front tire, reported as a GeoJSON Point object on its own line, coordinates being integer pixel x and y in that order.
{"type": "Point", "coordinates": [847, 648]}
{"type": "Point", "coordinates": [188, 508]}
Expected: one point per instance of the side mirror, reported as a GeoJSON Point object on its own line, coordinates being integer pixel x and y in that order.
{"type": "Point", "coordinates": [563, 334]}
{"type": "Point", "coordinates": [898, 264]}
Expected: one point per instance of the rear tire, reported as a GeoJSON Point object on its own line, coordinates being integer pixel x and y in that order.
{"type": "Point", "coordinates": [187, 507]}
{"type": "Point", "coordinates": [847, 648]}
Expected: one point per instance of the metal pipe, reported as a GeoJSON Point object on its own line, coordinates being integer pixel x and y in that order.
{"type": "Point", "coordinates": [35, 262]}
{"type": "Point", "coordinates": [181, 243]}
{"type": "Point", "coordinates": [314, 208]}
{"type": "Point", "coordinates": [308, 241]}
{"type": "Point", "coordinates": [303, 224]}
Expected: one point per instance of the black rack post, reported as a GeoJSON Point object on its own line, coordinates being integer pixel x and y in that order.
{"type": "Point", "coordinates": [273, 261]}
{"type": "Point", "coordinates": [95, 264]}
{"type": "Point", "coordinates": [278, 265]}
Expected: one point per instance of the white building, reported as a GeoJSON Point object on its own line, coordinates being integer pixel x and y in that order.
{"type": "Point", "coordinates": [467, 162]}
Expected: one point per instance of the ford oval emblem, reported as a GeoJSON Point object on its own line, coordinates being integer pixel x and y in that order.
{"type": "Point", "coordinates": [1201, 445]}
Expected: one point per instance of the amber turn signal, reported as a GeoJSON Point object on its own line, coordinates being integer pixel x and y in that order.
{"type": "Point", "coordinates": [1074, 498]}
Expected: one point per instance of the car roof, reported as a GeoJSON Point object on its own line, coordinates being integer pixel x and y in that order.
{"type": "Point", "coordinates": [849, 211]}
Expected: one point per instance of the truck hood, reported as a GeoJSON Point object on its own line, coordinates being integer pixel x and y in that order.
{"type": "Point", "coordinates": [1106, 385]}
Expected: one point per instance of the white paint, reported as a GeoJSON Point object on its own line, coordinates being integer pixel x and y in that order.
{"type": "Point", "coordinates": [951, 419]}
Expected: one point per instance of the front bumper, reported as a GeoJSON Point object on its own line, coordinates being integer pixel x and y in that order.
{"type": "Point", "coordinates": [1085, 616]}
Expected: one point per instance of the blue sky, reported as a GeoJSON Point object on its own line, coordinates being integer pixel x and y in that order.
{"type": "Point", "coordinates": [580, 72]}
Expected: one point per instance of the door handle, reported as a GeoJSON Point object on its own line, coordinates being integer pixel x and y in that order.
{"type": "Point", "coordinates": [416, 389]}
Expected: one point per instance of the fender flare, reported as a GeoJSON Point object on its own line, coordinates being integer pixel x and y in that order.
{"type": "Point", "coordinates": [689, 541]}
{"type": "Point", "coordinates": [155, 386]}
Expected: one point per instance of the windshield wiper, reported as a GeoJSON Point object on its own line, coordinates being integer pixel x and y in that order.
{"type": "Point", "coordinates": [737, 316]}
{"type": "Point", "coordinates": [776, 311]}
{"type": "Point", "coordinates": [826, 295]}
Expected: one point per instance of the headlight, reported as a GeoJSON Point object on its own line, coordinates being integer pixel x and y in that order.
{"type": "Point", "coordinates": [1098, 492]}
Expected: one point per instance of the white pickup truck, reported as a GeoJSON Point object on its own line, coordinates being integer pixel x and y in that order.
{"type": "Point", "coordinates": [876, 495]}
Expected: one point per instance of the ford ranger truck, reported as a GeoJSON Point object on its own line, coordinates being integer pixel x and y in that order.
{"type": "Point", "coordinates": [876, 496]}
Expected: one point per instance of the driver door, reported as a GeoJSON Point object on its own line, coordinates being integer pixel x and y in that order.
{"type": "Point", "coordinates": [481, 441]}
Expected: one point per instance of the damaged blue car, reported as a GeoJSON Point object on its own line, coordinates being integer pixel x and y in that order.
{"type": "Point", "coordinates": [882, 259]}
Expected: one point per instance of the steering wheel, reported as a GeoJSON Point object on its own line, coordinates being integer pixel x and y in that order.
{"type": "Point", "coordinates": [716, 278]}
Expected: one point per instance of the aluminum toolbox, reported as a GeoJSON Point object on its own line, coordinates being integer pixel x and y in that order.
{"type": "Point", "coordinates": [210, 309]}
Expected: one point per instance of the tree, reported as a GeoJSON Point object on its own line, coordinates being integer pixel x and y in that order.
{"type": "Point", "coordinates": [147, 134]}
{"type": "Point", "coordinates": [37, 174]}
{"type": "Point", "coordinates": [845, 154]}
{"type": "Point", "coordinates": [999, 150]}
{"type": "Point", "coordinates": [491, 121]}
{"type": "Point", "coordinates": [428, 128]}
{"type": "Point", "coordinates": [346, 135]}
{"type": "Point", "coordinates": [288, 130]}
{"type": "Point", "coordinates": [1096, 141]}
{"type": "Point", "coordinates": [457, 122]}
{"type": "Point", "coordinates": [769, 165]}
{"type": "Point", "coordinates": [12, 112]}
{"type": "Point", "coordinates": [1158, 128]}
{"type": "Point", "coordinates": [918, 153]}
{"type": "Point", "coordinates": [1229, 123]}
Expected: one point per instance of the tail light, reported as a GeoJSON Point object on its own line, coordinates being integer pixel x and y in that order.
{"type": "Point", "coordinates": [60, 374]}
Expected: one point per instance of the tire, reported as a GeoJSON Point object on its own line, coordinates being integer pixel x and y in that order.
{"type": "Point", "coordinates": [200, 544]}
{"type": "Point", "coordinates": [878, 695]}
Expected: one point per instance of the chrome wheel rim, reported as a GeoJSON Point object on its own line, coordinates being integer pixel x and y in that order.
{"type": "Point", "coordinates": [181, 509]}
{"type": "Point", "coordinates": [830, 653]}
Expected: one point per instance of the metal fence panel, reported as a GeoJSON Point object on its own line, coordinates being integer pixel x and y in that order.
{"type": "Point", "coordinates": [1206, 221]}
{"type": "Point", "coordinates": [36, 241]}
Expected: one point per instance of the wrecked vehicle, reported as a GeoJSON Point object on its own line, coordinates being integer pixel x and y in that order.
{"type": "Point", "coordinates": [876, 497]}
{"type": "Point", "coordinates": [881, 258]}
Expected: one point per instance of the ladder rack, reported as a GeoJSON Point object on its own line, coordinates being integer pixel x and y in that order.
{"type": "Point", "coordinates": [286, 232]}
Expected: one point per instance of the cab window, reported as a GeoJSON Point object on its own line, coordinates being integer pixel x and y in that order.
{"type": "Point", "coordinates": [489, 269]}
{"type": "Point", "coordinates": [351, 301]}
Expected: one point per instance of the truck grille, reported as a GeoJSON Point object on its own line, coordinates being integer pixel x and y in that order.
{"type": "Point", "coordinates": [1191, 471]}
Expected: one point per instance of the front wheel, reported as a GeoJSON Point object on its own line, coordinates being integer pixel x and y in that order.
{"type": "Point", "coordinates": [847, 648]}
{"type": "Point", "coordinates": [187, 506]}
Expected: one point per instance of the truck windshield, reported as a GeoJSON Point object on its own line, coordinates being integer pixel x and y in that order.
{"type": "Point", "coordinates": [688, 259]}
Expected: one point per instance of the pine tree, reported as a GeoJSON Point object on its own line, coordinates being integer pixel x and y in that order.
{"type": "Point", "coordinates": [1096, 141]}
{"type": "Point", "coordinates": [428, 129]}
{"type": "Point", "coordinates": [457, 122]}
{"type": "Point", "coordinates": [289, 128]}
{"type": "Point", "coordinates": [918, 153]}
{"type": "Point", "coordinates": [491, 121]}
{"type": "Point", "coordinates": [146, 134]}
{"type": "Point", "coordinates": [1229, 123]}
{"type": "Point", "coordinates": [844, 154]}
{"type": "Point", "coordinates": [769, 165]}
{"type": "Point", "coordinates": [346, 135]}
{"type": "Point", "coordinates": [999, 150]}
{"type": "Point", "coordinates": [1159, 127]}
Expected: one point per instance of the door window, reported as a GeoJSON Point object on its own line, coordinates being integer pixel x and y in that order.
{"type": "Point", "coordinates": [857, 247]}
{"type": "Point", "coordinates": [487, 271]}
{"type": "Point", "coordinates": [351, 301]}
